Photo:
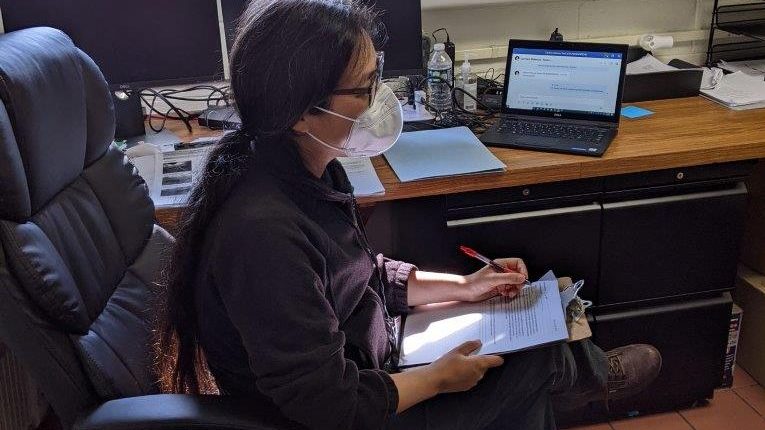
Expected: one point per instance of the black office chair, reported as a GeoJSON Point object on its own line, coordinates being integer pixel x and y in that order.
{"type": "Point", "coordinates": [79, 250]}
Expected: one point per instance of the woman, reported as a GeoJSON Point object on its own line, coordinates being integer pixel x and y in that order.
{"type": "Point", "coordinates": [273, 291]}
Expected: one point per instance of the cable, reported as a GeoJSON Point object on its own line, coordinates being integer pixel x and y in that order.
{"type": "Point", "coordinates": [182, 115]}
{"type": "Point", "coordinates": [433, 34]}
{"type": "Point", "coordinates": [170, 94]}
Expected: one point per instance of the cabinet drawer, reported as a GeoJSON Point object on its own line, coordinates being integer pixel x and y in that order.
{"type": "Point", "coordinates": [564, 239]}
{"type": "Point", "coordinates": [691, 336]}
{"type": "Point", "coordinates": [670, 246]}
{"type": "Point", "coordinates": [680, 175]}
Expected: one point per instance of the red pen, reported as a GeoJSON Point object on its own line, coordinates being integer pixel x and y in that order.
{"type": "Point", "coordinates": [470, 252]}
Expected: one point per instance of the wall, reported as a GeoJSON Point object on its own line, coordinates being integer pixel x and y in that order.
{"type": "Point", "coordinates": [483, 26]}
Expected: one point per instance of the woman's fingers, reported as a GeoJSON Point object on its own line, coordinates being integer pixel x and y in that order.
{"type": "Point", "coordinates": [509, 290]}
{"type": "Point", "coordinates": [488, 361]}
{"type": "Point", "coordinates": [507, 278]}
{"type": "Point", "coordinates": [515, 264]}
{"type": "Point", "coordinates": [468, 347]}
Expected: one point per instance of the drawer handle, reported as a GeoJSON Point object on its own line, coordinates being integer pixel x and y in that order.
{"type": "Point", "coordinates": [522, 215]}
{"type": "Point", "coordinates": [738, 190]}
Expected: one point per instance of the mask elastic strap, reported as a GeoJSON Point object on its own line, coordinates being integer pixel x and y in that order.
{"type": "Point", "coordinates": [340, 151]}
{"type": "Point", "coordinates": [336, 114]}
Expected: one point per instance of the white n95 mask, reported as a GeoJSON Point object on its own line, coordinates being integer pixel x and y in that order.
{"type": "Point", "coordinates": [374, 131]}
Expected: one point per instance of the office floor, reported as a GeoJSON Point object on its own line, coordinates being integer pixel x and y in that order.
{"type": "Point", "coordinates": [739, 408]}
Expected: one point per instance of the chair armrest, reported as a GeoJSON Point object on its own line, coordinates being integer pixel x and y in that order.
{"type": "Point", "coordinates": [177, 411]}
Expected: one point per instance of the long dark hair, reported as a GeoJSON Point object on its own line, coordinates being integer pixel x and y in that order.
{"type": "Point", "coordinates": [288, 56]}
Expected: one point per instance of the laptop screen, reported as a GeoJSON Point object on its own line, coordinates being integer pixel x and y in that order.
{"type": "Point", "coordinates": [565, 80]}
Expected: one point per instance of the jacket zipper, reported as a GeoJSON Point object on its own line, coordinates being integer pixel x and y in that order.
{"type": "Point", "coordinates": [361, 238]}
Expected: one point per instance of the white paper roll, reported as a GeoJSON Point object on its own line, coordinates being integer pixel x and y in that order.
{"type": "Point", "coordinates": [651, 42]}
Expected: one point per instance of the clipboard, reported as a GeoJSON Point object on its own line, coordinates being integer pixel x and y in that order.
{"type": "Point", "coordinates": [440, 327]}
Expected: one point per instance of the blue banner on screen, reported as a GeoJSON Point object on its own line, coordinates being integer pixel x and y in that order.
{"type": "Point", "coordinates": [583, 82]}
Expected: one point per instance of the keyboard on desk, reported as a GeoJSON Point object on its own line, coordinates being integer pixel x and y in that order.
{"type": "Point", "coordinates": [552, 136]}
{"type": "Point", "coordinates": [547, 129]}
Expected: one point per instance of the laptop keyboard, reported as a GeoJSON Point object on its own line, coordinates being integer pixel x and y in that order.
{"type": "Point", "coordinates": [547, 129]}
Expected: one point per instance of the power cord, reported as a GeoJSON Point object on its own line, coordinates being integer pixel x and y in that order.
{"type": "Point", "coordinates": [149, 97]}
{"type": "Point", "coordinates": [456, 116]}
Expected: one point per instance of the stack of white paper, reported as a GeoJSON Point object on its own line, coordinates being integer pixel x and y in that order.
{"type": "Point", "coordinates": [648, 64]}
{"type": "Point", "coordinates": [535, 318]}
{"type": "Point", "coordinates": [738, 90]}
{"type": "Point", "coordinates": [362, 175]}
{"type": "Point", "coordinates": [750, 67]}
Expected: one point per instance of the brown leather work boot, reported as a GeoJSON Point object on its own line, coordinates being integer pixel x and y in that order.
{"type": "Point", "coordinates": [631, 369]}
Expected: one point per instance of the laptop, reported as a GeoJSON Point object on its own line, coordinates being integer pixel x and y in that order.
{"type": "Point", "coordinates": [560, 97]}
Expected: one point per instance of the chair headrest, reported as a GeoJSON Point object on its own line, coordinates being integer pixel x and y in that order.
{"type": "Point", "coordinates": [56, 118]}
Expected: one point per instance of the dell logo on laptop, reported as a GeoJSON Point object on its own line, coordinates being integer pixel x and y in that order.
{"type": "Point", "coordinates": [557, 115]}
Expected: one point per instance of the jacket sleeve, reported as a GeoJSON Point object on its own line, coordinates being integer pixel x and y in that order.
{"type": "Point", "coordinates": [395, 277]}
{"type": "Point", "coordinates": [271, 280]}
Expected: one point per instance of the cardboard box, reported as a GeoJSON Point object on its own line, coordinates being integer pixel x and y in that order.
{"type": "Point", "coordinates": [753, 243]}
{"type": "Point", "coordinates": [750, 296]}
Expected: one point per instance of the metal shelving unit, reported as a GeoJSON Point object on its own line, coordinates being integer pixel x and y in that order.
{"type": "Point", "coordinates": [746, 20]}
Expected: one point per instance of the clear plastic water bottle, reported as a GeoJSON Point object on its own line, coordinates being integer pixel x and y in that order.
{"type": "Point", "coordinates": [440, 66]}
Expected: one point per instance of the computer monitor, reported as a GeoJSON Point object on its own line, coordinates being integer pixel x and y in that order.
{"type": "Point", "coordinates": [401, 24]}
{"type": "Point", "coordinates": [231, 11]}
{"type": "Point", "coordinates": [136, 43]}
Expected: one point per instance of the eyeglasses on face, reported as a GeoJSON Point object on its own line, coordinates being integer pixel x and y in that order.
{"type": "Point", "coordinates": [370, 91]}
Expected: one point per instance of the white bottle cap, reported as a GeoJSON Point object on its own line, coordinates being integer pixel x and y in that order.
{"type": "Point", "coordinates": [439, 47]}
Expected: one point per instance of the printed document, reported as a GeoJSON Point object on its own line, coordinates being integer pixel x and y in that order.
{"type": "Point", "coordinates": [362, 175]}
{"type": "Point", "coordinates": [503, 325]}
{"type": "Point", "coordinates": [737, 89]}
{"type": "Point", "coordinates": [648, 64]}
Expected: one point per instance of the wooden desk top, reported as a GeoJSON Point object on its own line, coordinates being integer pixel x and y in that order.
{"type": "Point", "coordinates": [681, 132]}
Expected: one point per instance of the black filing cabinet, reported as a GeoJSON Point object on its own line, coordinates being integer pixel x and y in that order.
{"type": "Point", "coordinates": [691, 336]}
{"type": "Point", "coordinates": [670, 242]}
{"type": "Point", "coordinates": [658, 253]}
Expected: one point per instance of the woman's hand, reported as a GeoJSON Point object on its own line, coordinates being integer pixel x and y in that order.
{"type": "Point", "coordinates": [458, 371]}
{"type": "Point", "coordinates": [428, 287]}
{"type": "Point", "coordinates": [486, 283]}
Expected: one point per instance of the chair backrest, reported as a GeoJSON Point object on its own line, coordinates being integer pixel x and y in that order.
{"type": "Point", "coordinates": [79, 251]}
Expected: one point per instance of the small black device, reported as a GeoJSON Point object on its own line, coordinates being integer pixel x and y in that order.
{"type": "Point", "coordinates": [561, 97]}
{"type": "Point", "coordinates": [556, 36]}
{"type": "Point", "coordinates": [220, 118]}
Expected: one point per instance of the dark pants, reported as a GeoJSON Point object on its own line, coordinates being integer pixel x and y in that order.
{"type": "Point", "coordinates": [521, 394]}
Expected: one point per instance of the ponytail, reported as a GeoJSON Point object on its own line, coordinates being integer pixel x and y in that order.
{"type": "Point", "coordinates": [181, 365]}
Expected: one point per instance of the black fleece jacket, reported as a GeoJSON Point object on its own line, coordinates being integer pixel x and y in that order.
{"type": "Point", "coordinates": [291, 302]}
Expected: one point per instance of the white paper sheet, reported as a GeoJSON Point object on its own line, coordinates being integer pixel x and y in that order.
{"type": "Point", "coordinates": [180, 171]}
{"type": "Point", "coordinates": [648, 64]}
{"type": "Point", "coordinates": [503, 325]}
{"type": "Point", "coordinates": [750, 67]}
{"type": "Point", "coordinates": [737, 89]}
{"type": "Point", "coordinates": [362, 175]}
